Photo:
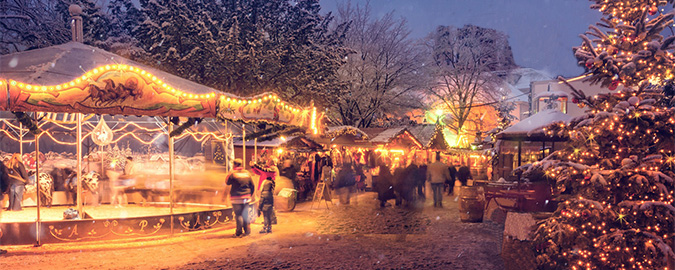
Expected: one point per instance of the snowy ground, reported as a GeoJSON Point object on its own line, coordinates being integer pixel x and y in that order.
{"type": "Point", "coordinates": [360, 236]}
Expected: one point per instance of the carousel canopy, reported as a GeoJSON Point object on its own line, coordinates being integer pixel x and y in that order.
{"type": "Point", "coordinates": [530, 129]}
{"type": "Point", "coordinates": [75, 77]}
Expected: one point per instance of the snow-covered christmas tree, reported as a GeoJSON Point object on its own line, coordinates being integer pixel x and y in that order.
{"type": "Point", "coordinates": [615, 176]}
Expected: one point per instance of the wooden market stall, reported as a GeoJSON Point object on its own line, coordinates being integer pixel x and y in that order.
{"type": "Point", "coordinates": [518, 146]}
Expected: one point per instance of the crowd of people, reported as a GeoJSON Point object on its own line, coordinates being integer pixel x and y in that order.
{"type": "Point", "coordinates": [406, 181]}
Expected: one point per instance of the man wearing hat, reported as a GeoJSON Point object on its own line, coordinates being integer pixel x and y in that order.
{"type": "Point", "coordinates": [241, 193]}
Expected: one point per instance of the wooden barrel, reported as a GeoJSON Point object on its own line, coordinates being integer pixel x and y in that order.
{"type": "Point", "coordinates": [471, 205]}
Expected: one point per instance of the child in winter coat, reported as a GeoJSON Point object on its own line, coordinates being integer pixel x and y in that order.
{"type": "Point", "coordinates": [267, 203]}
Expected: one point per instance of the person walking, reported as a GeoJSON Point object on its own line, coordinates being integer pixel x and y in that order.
{"type": "Point", "coordinates": [18, 177]}
{"type": "Point", "coordinates": [383, 185]}
{"type": "Point", "coordinates": [437, 174]}
{"type": "Point", "coordinates": [451, 183]}
{"type": "Point", "coordinates": [345, 182]}
{"type": "Point", "coordinates": [241, 192]}
{"type": "Point", "coordinates": [267, 203]}
{"type": "Point", "coordinates": [464, 174]}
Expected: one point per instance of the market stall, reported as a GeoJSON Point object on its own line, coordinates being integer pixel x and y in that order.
{"type": "Point", "coordinates": [518, 146]}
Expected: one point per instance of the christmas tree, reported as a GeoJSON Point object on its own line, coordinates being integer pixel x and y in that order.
{"type": "Point", "coordinates": [615, 175]}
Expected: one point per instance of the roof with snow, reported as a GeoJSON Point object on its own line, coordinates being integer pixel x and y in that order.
{"type": "Point", "coordinates": [530, 128]}
{"type": "Point", "coordinates": [521, 78]}
{"type": "Point", "coordinates": [337, 131]}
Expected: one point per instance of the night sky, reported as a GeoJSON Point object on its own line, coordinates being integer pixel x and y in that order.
{"type": "Point", "coordinates": [541, 32]}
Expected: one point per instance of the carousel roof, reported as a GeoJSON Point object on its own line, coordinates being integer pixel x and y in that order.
{"type": "Point", "coordinates": [62, 63]}
{"type": "Point", "coordinates": [74, 77]}
{"type": "Point", "coordinates": [531, 128]}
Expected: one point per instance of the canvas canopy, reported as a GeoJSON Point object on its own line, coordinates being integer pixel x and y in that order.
{"type": "Point", "coordinates": [74, 77]}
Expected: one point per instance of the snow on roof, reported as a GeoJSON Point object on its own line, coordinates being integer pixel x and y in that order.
{"type": "Point", "coordinates": [340, 130]}
{"type": "Point", "coordinates": [387, 135]}
{"type": "Point", "coordinates": [551, 93]}
{"type": "Point", "coordinates": [522, 77]}
{"type": "Point", "coordinates": [62, 63]}
{"type": "Point", "coordinates": [423, 133]}
{"type": "Point", "coordinates": [535, 122]}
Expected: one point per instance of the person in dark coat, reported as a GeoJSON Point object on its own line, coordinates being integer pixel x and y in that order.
{"type": "Point", "coordinates": [464, 174]}
{"type": "Point", "coordinates": [267, 203]}
{"type": "Point", "coordinates": [383, 185]}
{"type": "Point", "coordinates": [404, 184]}
{"type": "Point", "coordinates": [241, 194]}
{"type": "Point", "coordinates": [418, 174]}
{"type": "Point", "coordinates": [17, 183]}
{"type": "Point", "coordinates": [450, 184]}
{"type": "Point", "coordinates": [345, 182]}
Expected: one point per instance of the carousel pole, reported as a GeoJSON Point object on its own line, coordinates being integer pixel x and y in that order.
{"type": "Point", "coordinates": [21, 139]}
{"type": "Point", "coordinates": [80, 210]}
{"type": "Point", "coordinates": [171, 172]}
{"type": "Point", "coordinates": [243, 145]}
{"type": "Point", "coordinates": [37, 188]}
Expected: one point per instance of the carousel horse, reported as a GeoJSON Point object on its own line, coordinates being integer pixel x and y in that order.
{"type": "Point", "coordinates": [89, 182]}
{"type": "Point", "coordinates": [45, 189]}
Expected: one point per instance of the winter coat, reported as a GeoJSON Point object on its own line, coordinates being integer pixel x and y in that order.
{"type": "Point", "coordinates": [242, 186]}
{"type": "Point", "coordinates": [463, 174]}
{"type": "Point", "coordinates": [384, 185]}
{"type": "Point", "coordinates": [438, 172]}
{"type": "Point", "coordinates": [18, 171]}
{"type": "Point", "coordinates": [453, 174]}
{"type": "Point", "coordinates": [345, 178]}
{"type": "Point", "coordinates": [267, 195]}
{"type": "Point", "coordinates": [4, 178]}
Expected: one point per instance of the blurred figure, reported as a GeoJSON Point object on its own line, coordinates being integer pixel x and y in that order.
{"type": "Point", "coordinates": [450, 184]}
{"type": "Point", "coordinates": [4, 186]}
{"type": "Point", "coordinates": [384, 185]}
{"type": "Point", "coordinates": [418, 171]}
{"type": "Point", "coordinates": [267, 203]}
{"type": "Point", "coordinates": [437, 174]}
{"type": "Point", "coordinates": [464, 174]}
{"type": "Point", "coordinates": [403, 184]}
{"type": "Point", "coordinates": [241, 194]}
{"type": "Point", "coordinates": [345, 182]}
{"type": "Point", "coordinates": [18, 177]}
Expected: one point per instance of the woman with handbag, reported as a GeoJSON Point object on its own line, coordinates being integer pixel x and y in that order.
{"type": "Point", "coordinates": [17, 182]}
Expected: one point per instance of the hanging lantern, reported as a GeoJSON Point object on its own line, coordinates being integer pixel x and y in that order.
{"type": "Point", "coordinates": [102, 134]}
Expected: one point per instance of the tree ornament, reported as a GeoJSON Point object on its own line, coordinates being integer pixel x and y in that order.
{"type": "Point", "coordinates": [653, 10]}
{"type": "Point", "coordinates": [614, 85]}
{"type": "Point", "coordinates": [575, 100]}
{"type": "Point", "coordinates": [589, 63]}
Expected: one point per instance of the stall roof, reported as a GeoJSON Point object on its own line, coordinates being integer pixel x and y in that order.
{"type": "Point", "coordinates": [337, 131]}
{"type": "Point", "coordinates": [528, 128]}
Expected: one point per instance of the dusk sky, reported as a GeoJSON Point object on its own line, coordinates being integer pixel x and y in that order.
{"type": "Point", "coordinates": [541, 32]}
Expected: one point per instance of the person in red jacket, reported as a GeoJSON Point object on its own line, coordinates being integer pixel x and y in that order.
{"type": "Point", "coordinates": [241, 194]}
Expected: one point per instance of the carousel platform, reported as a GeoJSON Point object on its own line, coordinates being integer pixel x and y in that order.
{"type": "Point", "coordinates": [107, 222]}
{"type": "Point", "coordinates": [106, 211]}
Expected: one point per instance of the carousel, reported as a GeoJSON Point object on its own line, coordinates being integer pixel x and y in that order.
{"type": "Point", "coordinates": [107, 109]}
